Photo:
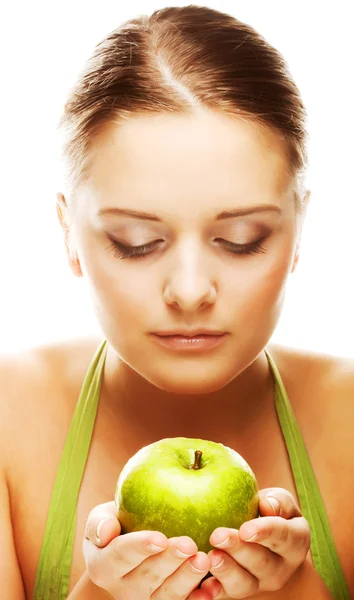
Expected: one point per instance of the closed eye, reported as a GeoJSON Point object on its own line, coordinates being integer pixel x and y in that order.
{"type": "Point", "coordinates": [252, 248]}
{"type": "Point", "coordinates": [123, 251]}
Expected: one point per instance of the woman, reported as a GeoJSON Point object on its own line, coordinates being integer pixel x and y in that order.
{"type": "Point", "coordinates": [185, 149]}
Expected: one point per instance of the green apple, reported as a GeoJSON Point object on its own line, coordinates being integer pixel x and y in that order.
{"type": "Point", "coordinates": [186, 486]}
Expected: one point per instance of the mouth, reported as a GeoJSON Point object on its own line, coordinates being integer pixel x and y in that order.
{"type": "Point", "coordinates": [198, 342]}
{"type": "Point", "coordinates": [190, 334]}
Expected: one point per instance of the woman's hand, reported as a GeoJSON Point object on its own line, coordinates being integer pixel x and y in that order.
{"type": "Point", "coordinates": [253, 565]}
{"type": "Point", "coordinates": [129, 568]}
{"type": "Point", "coordinates": [125, 567]}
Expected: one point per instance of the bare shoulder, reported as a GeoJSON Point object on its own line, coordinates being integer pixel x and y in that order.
{"type": "Point", "coordinates": [310, 361]}
{"type": "Point", "coordinates": [39, 386]}
{"type": "Point", "coordinates": [329, 374]}
{"type": "Point", "coordinates": [321, 391]}
{"type": "Point", "coordinates": [57, 363]}
{"type": "Point", "coordinates": [46, 360]}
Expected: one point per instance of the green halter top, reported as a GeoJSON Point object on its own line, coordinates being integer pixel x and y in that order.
{"type": "Point", "coordinates": [52, 579]}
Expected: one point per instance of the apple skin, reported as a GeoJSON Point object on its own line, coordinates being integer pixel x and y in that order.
{"type": "Point", "coordinates": [157, 490]}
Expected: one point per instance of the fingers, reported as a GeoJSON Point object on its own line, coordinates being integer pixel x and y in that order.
{"type": "Point", "coordinates": [246, 568]}
{"type": "Point", "coordinates": [141, 562]}
{"type": "Point", "coordinates": [282, 529]}
{"type": "Point", "coordinates": [232, 580]}
{"type": "Point", "coordinates": [106, 566]}
{"type": "Point", "coordinates": [183, 580]}
{"type": "Point", "coordinates": [155, 572]}
{"type": "Point", "coordinates": [201, 594]}
{"type": "Point", "coordinates": [102, 524]}
{"type": "Point", "coordinates": [279, 544]}
{"type": "Point", "coordinates": [278, 502]}
{"type": "Point", "coordinates": [287, 538]}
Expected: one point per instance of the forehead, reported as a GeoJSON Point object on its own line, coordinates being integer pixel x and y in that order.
{"type": "Point", "coordinates": [204, 156]}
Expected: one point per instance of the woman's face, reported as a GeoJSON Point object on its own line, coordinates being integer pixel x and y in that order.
{"type": "Point", "coordinates": [185, 172]}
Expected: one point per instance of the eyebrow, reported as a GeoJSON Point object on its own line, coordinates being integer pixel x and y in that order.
{"type": "Point", "coordinates": [225, 214]}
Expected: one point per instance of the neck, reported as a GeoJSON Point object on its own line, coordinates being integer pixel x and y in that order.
{"type": "Point", "coordinates": [149, 413]}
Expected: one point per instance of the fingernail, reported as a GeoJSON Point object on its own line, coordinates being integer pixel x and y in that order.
{"type": "Point", "coordinates": [154, 548]}
{"type": "Point", "coordinates": [251, 539]}
{"type": "Point", "coordinates": [99, 526]}
{"type": "Point", "coordinates": [197, 570]}
{"type": "Point", "coordinates": [274, 504]}
{"type": "Point", "coordinates": [182, 554]}
{"type": "Point", "coordinates": [223, 543]}
{"type": "Point", "coordinates": [218, 564]}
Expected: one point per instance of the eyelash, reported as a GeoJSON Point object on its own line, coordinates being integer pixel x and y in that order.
{"type": "Point", "coordinates": [123, 251]}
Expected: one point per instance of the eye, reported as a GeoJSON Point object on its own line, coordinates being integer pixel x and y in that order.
{"type": "Point", "coordinates": [252, 248]}
{"type": "Point", "coordinates": [123, 251]}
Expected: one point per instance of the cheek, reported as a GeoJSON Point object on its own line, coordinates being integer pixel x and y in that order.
{"type": "Point", "coordinates": [258, 290]}
{"type": "Point", "coordinates": [123, 294]}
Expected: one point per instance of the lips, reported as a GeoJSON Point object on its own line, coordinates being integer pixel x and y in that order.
{"type": "Point", "coordinates": [189, 334]}
{"type": "Point", "coordinates": [197, 343]}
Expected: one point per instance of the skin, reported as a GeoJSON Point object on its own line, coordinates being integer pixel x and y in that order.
{"type": "Point", "coordinates": [244, 565]}
{"type": "Point", "coordinates": [191, 278]}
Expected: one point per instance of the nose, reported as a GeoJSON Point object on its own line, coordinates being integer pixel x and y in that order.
{"type": "Point", "coordinates": [190, 284]}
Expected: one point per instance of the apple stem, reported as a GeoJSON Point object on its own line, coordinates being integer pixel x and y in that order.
{"type": "Point", "coordinates": [197, 459]}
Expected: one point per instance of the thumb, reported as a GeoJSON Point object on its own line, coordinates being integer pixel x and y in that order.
{"type": "Point", "coordinates": [278, 502]}
{"type": "Point", "coordinates": [102, 524]}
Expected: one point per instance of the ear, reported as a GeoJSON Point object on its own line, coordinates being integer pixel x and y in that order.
{"type": "Point", "coordinates": [296, 259]}
{"type": "Point", "coordinates": [66, 225]}
{"type": "Point", "coordinates": [305, 203]}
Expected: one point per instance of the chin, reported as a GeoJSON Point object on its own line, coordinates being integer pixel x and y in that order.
{"type": "Point", "coordinates": [193, 385]}
{"type": "Point", "coordinates": [186, 376]}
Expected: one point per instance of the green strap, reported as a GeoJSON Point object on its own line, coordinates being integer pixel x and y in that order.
{"type": "Point", "coordinates": [53, 572]}
{"type": "Point", "coordinates": [323, 549]}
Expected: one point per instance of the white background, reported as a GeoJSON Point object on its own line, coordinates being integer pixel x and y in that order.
{"type": "Point", "coordinates": [44, 45]}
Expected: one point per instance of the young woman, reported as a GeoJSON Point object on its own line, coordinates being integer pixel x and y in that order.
{"type": "Point", "coordinates": [185, 149]}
